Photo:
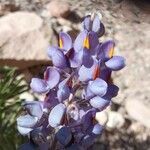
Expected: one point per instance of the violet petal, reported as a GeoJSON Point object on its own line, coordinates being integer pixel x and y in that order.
{"type": "Point", "coordinates": [78, 43]}
{"type": "Point", "coordinates": [51, 99]}
{"type": "Point", "coordinates": [52, 77]}
{"type": "Point", "coordinates": [58, 58]}
{"type": "Point", "coordinates": [99, 87]}
{"type": "Point", "coordinates": [99, 103]}
{"type": "Point", "coordinates": [116, 63]}
{"type": "Point", "coordinates": [39, 85]}
{"type": "Point", "coordinates": [24, 130]}
{"type": "Point", "coordinates": [34, 108]}
{"type": "Point", "coordinates": [108, 49]}
{"type": "Point", "coordinates": [97, 129]}
{"type": "Point", "coordinates": [63, 93]}
{"type": "Point", "coordinates": [26, 121]}
{"type": "Point", "coordinates": [87, 23]}
{"type": "Point", "coordinates": [96, 24]}
{"type": "Point", "coordinates": [56, 115]}
{"type": "Point", "coordinates": [66, 41]}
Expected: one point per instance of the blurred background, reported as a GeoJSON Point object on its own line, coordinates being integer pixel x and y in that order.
{"type": "Point", "coordinates": [26, 29]}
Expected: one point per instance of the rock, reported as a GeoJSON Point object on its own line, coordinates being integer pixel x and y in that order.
{"type": "Point", "coordinates": [144, 5]}
{"type": "Point", "coordinates": [138, 111]}
{"type": "Point", "coordinates": [102, 117]}
{"type": "Point", "coordinates": [136, 127]}
{"type": "Point", "coordinates": [58, 9]}
{"type": "Point", "coordinates": [115, 120]}
{"type": "Point", "coordinates": [117, 1]}
{"type": "Point", "coordinates": [8, 7]}
{"type": "Point", "coordinates": [23, 37]}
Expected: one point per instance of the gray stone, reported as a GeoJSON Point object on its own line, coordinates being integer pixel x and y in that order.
{"type": "Point", "coordinates": [58, 9]}
{"type": "Point", "coordinates": [115, 120]}
{"type": "Point", "coordinates": [23, 37]}
{"type": "Point", "coordinates": [138, 111]}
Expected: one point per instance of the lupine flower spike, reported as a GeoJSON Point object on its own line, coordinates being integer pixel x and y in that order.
{"type": "Point", "coordinates": [83, 65]}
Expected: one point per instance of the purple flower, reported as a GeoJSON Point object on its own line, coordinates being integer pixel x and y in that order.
{"type": "Point", "coordinates": [93, 23]}
{"type": "Point", "coordinates": [97, 87]}
{"type": "Point", "coordinates": [103, 64]}
{"type": "Point", "coordinates": [84, 49]}
{"type": "Point", "coordinates": [76, 87]}
{"type": "Point", "coordinates": [89, 128]}
{"type": "Point", "coordinates": [58, 54]}
{"type": "Point", "coordinates": [51, 79]}
{"type": "Point", "coordinates": [106, 52]}
{"type": "Point", "coordinates": [65, 42]}
{"type": "Point", "coordinates": [64, 136]}
{"type": "Point", "coordinates": [87, 119]}
{"type": "Point", "coordinates": [58, 57]}
{"type": "Point", "coordinates": [99, 102]}
{"type": "Point", "coordinates": [116, 63]}
{"type": "Point", "coordinates": [64, 90]}
{"type": "Point", "coordinates": [27, 123]}
{"type": "Point", "coordinates": [95, 91]}
{"type": "Point", "coordinates": [34, 108]}
{"type": "Point", "coordinates": [51, 99]}
{"type": "Point", "coordinates": [87, 74]}
{"type": "Point", "coordinates": [56, 115]}
{"type": "Point", "coordinates": [97, 129]}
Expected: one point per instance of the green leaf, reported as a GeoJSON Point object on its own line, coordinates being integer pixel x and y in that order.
{"type": "Point", "coordinates": [10, 105]}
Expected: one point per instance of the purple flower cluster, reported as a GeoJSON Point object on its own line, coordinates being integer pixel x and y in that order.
{"type": "Point", "coordinates": [77, 86]}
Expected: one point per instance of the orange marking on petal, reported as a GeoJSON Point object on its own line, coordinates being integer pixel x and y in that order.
{"type": "Point", "coordinates": [86, 43]}
{"type": "Point", "coordinates": [60, 43]}
{"type": "Point", "coordinates": [94, 121]}
{"type": "Point", "coordinates": [69, 82]}
{"type": "Point", "coordinates": [111, 52]}
{"type": "Point", "coordinates": [46, 98]}
{"type": "Point", "coordinates": [96, 72]}
{"type": "Point", "coordinates": [46, 75]}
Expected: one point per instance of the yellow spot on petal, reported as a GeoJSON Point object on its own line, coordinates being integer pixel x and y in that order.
{"type": "Point", "coordinates": [111, 52]}
{"type": "Point", "coordinates": [86, 43]}
{"type": "Point", "coordinates": [60, 43]}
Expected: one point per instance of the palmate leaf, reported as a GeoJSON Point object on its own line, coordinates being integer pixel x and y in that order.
{"type": "Point", "coordinates": [11, 85]}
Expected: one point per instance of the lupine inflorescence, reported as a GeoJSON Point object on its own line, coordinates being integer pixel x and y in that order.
{"type": "Point", "coordinates": [77, 86]}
